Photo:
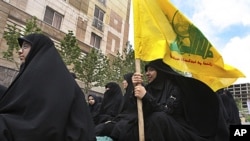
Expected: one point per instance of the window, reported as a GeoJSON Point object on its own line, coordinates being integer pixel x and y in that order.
{"type": "Point", "coordinates": [98, 18]}
{"type": "Point", "coordinates": [95, 40]}
{"type": "Point", "coordinates": [53, 18]}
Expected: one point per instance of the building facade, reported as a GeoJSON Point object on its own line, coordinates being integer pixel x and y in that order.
{"type": "Point", "coordinates": [100, 24]}
{"type": "Point", "coordinates": [241, 92]}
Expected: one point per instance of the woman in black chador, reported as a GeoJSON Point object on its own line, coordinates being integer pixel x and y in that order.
{"type": "Point", "coordinates": [44, 102]}
{"type": "Point", "coordinates": [128, 116]}
{"type": "Point", "coordinates": [232, 115]}
{"type": "Point", "coordinates": [110, 108]}
{"type": "Point", "coordinates": [94, 106]}
{"type": "Point", "coordinates": [129, 100]}
{"type": "Point", "coordinates": [175, 108]}
{"type": "Point", "coordinates": [111, 103]}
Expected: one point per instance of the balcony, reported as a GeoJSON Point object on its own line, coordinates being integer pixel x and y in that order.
{"type": "Point", "coordinates": [97, 23]}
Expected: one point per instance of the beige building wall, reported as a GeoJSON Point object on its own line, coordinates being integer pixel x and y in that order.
{"type": "Point", "coordinates": [78, 17]}
{"type": "Point", "coordinates": [37, 8]}
{"type": "Point", "coordinates": [116, 21]}
{"type": "Point", "coordinates": [116, 25]}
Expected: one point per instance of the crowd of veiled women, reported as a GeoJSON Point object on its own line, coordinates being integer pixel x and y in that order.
{"type": "Point", "coordinates": [175, 108]}
{"type": "Point", "coordinates": [44, 103]}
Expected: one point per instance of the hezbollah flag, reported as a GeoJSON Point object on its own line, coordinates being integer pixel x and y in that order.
{"type": "Point", "coordinates": [162, 31]}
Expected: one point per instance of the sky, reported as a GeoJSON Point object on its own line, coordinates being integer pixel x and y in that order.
{"type": "Point", "coordinates": [225, 23]}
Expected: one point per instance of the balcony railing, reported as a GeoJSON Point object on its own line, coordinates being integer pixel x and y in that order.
{"type": "Point", "coordinates": [97, 23]}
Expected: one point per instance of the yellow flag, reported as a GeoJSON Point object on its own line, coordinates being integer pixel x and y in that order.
{"type": "Point", "coordinates": [162, 31]}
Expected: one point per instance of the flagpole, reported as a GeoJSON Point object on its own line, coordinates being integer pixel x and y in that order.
{"type": "Point", "coordinates": [139, 106]}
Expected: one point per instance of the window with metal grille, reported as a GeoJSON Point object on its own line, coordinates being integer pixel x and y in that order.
{"type": "Point", "coordinates": [98, 18]}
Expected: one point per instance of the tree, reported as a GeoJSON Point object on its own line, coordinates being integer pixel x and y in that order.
{"type": "Point", "coordinates": [92, 69]}
{"type": "Point", "coordinates": [89, 68]}
{"type": "Point", "coordinates": [11, 36]}
{"type": "Point", "coordinates": [69, 49]}
{"type": "Point", "coordinates": [124, 63]}
{"type": "Point", "coordinates": [31, 26]}
{"type": "Point", "coordinates": [13, 32]}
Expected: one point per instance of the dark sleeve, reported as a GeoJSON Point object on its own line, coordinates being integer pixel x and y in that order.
{"type": "Point", "coordinates": [5, 133]}
{"type": "Point", "coordinates": [80, 126]}
{"type": "Point", "coordinates": [2, 90]}
{"type": "Point", "coordinates": [172, 104]}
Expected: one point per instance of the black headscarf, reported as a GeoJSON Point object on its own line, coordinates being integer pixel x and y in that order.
{"type": "Point", "coordinates": [160, 87]}
{"type": "Point", "coordinates": [200, 103]}
{"type": "Point", "coordinates": [95, 107]}
{"type": "Point", "coordinates": [231, 107]}
{"type": "Point", "coordinates": [128, 78]}
{"type": "Point", "coordinates": [44, 102]}
{"type": "Point", "coordinates": [112, 99]}
{"type": "Point", "coordinates": [129, 100]}
{"type": "Point", "coordinates": [111, 102]}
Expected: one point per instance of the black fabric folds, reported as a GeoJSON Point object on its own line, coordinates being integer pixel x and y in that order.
{"type": "Point", "coordinates": [2, 90]}
{"type": "Point", "coordinates": [129, 100]}
{"type": "Point", "coordinates": [175, 108]}
{"type": "Point", "coordinates": [232, 111]}
{"type": "Point", "coordinates": [111, 103]}
{"type": "Point", "coordinates": [94, 109]}
{"type": "Point", "coordinates": [44, 102]}
{"type": "Point", "coordinates": [201, 106]}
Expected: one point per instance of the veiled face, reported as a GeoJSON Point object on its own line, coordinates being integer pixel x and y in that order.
{"type": "Point", "coordinates": [24, 51]}
{"type": "Point", "coordinates": [151, 74]}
